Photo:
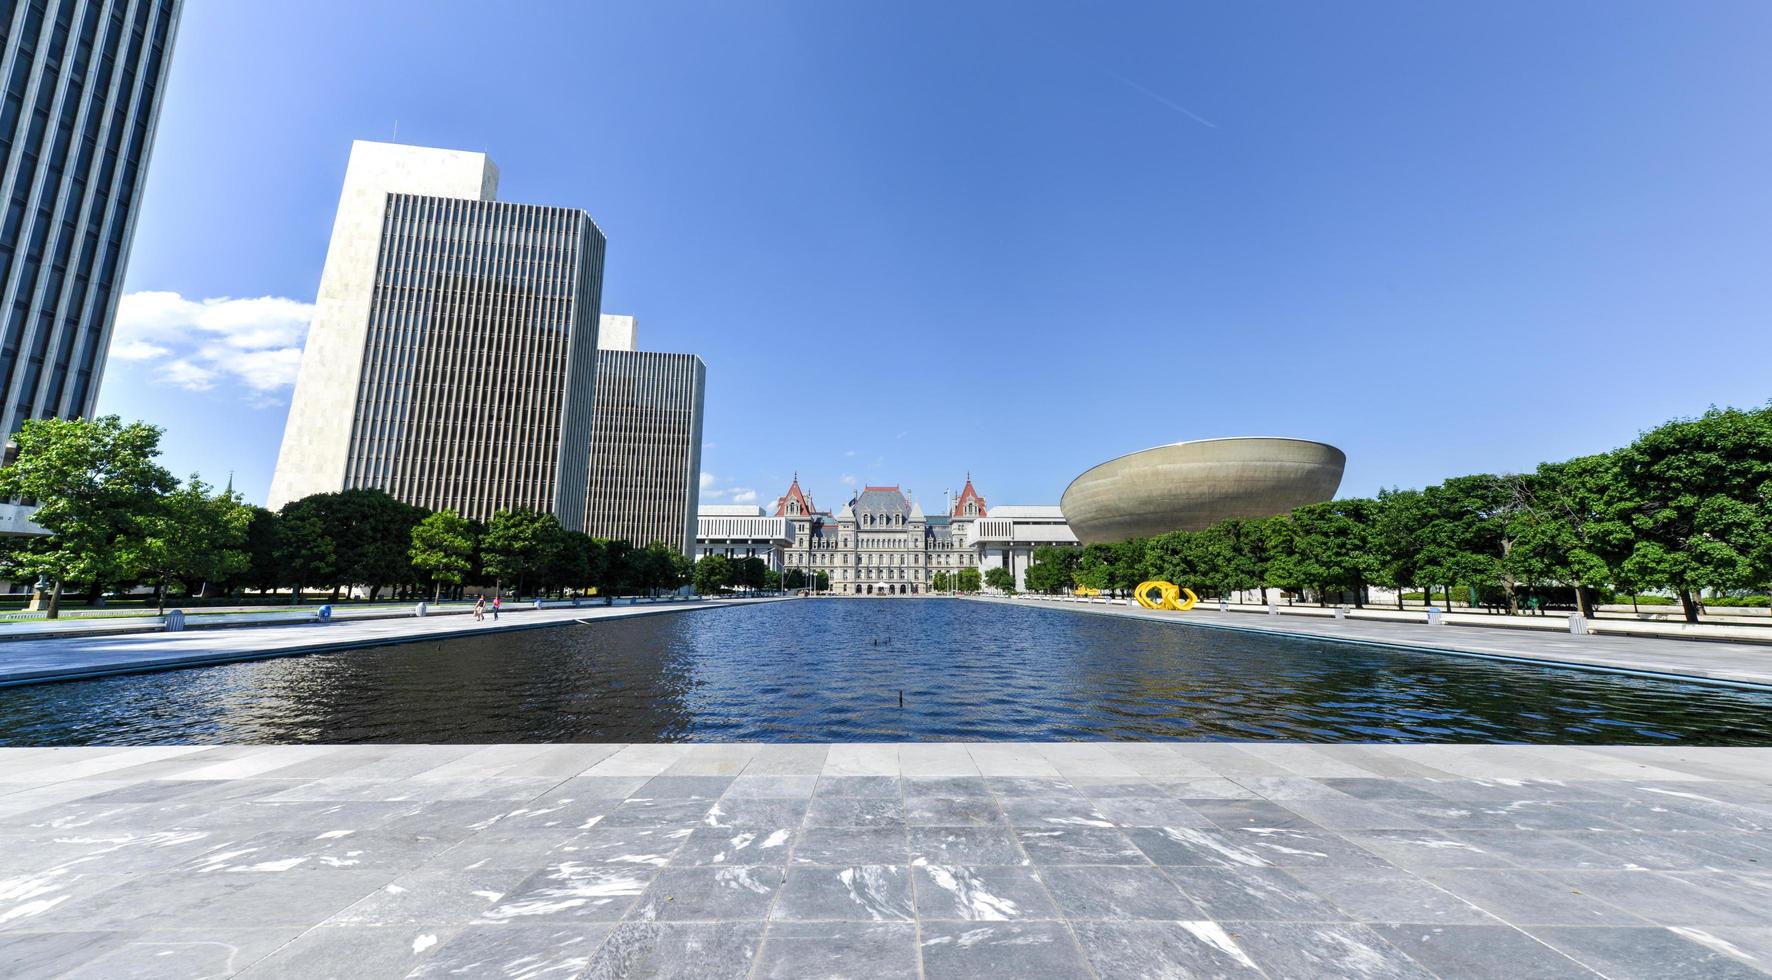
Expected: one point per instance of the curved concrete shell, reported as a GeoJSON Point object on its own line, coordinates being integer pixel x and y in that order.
{"type": "Point", "coordinates": [1190, 486]}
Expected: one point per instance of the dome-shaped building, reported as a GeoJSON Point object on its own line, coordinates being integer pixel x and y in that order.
{"type": "Point", "coordinates": [1190, 486]}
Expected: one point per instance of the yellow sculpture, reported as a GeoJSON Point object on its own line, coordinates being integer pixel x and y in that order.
{"type": "Point", "coordinates": [1086, 592]}
{"type": "Point", "coordinates": [1168, 596]}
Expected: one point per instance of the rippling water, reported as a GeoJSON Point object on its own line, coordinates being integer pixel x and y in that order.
{"type": "Point", "coordinates": [832, 670]}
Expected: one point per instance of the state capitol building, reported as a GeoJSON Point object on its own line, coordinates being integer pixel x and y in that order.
{"type": "Point", "coordinates": [881, 542]}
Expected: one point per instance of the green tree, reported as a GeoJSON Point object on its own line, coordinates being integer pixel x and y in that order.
{"type": "Point", "coordinates": [1001, 579]}
{"type": "Point", "coordinates": [305, 551]}
{"type": "Point", "coordinates": [1334, 546]}
{"type": "Point", "coordinates": [712, 574]}
{"type": "Point", "coordinates": [441, 549]}
{"type": "Point", "coordinates": [940, 582]}
{"type": "Point", "coordinates": [517, 546]}
{"type": "Point", "coordinates": [1695, 495]}
{"type": "Point", "coordinates": [1398, 541]}
{"type": "Point", "coordinates": [1565, 530]}
{"type": "Point", "coordinates": [93, 481]}
{"type": "Point", "coordinates": [966, 580]}
{"type": "Point", "coordinates": [192, 535]}
{"type": "Point", "coordinates": [1465, 540]}
{"type": "Point", "coordinates": [1111, 567]}
{"type": "Point", "coordinates": [262, 571]}
{"type": "Point", "coordinates": [1053, 570]}
{"type": "Point", "coordinates": [752, 573]}
{"type": "Point", "coordinates": [371, 533]}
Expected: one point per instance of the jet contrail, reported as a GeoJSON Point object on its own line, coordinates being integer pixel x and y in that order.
{"type": "Point", "coordinates": [1184, 110]}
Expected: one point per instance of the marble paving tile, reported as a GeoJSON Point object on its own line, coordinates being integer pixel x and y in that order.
{"type": "Point", "coordinates": [1481, 952]}
{"type": "Point", "coordinates": [944, 786]}
{"type": "Point", "coordinates": [671, 787]}
{"type": "Point", "coordinates": [745, 811]}
{"type": "Point", "coordinates": [787, 760]}
{"type": "Point", "coordinates": [965, 845]}
{"type": "Point", "coordinates": [732, 845]}
{"type": "Point", "coordinates": [52, 954]}
{"type": "Point", "coordinates": [1420, 849]}
{"type": "Point", "coordinates": [1380, 896]}
{"type": "Point", "coordinates": [703, 894]}
{"type": "Point", "coordinates": [1369, 788]}
{"type": "Point", "coordinates": [1263, 894]}
{"type": "Point", "coordinates": [1643, 954]}
{"type": "Point", "coordinates": [437, 898]}
{"type": "Point", "coordinates": [667, 812]}
{"type": "Point", "coordinates": [1204, 788]}
{"type": "Point", "coordinates": [1079, 845]}
{"type": "Point", "coordinates": [1148, 812]}
{"type": "Point", "coordinates": [677, 951]}
{"type": "Point", "coordinates": [1195, 948]}
{"type": "Point", "coordinates": [570, 891]}
{"type": "Point", "coordinates": [772, 787]}
{"type": "Point", "coordinates": [876, 950]}
{"type": "Point", "coordinates": [1530, 898]}
{"type": "Point", "coordinates": [1117, 893]}
{"type": "Point", "coordinates": [1665, 899]}
{"type": "Point", "coordinates": [1122, 787]}
{"type": "Point", "coordinates": [1009, 787]}
{"type": "Point", "coordinates": [887, 786]}
{"type": "Point", "coordinates": [1318, 949]}
{"type": "Point", "coordinates": [1236, 814]}
{"type": "Point", "coordinates": [1025, 950]}
{"type": "Point", "coordinates": [839, 811]}
{"type": "Point", "coordinates": [1035, 811]}
{"type": "Point", "coordinates": [981, 894]}
{"type": "Point", "coordinates": [174, 955]}
{"type": "Point", "coordinates": [865, 893]}
{"type": "Point", "coordinates": [516, 952]}
{"type": "Point", "coordinates": [846, 846]}
{"type": "Point", "coordinates": [345, 952]}
{"type": "Point", "coordinates": [1354, 814]}
{"type": "Point", "coordinates": [934, 811]}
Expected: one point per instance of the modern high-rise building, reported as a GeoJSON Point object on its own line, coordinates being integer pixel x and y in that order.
{"type": "Point", "coordinates": [452, 354]}
{"type": "Point", "coordinates": [83, 81]}
{"type": "Point", "coordinates": [644, 480]}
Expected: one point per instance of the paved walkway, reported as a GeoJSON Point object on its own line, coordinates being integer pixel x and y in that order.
{"type": "Point", "coordinates": [1742, 663]}
{"type": "Point", "coordinates": [920, 860]}
{"type": "Point", "coordinates": [88, 656]}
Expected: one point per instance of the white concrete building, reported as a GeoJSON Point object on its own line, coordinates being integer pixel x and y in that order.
{"type": "Point", "coordinates": [644, 477]}
{"type": "Point", "coordinates": [740, 531]}
{"type": "Point", "coordinates": [1008, 535]}
{"type": "Point", "coordinates": [452, 353]}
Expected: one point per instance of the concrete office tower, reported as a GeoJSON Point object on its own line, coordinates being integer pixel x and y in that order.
{"type": "Point", "coordinates": [81, 92]}
{"type": "Point", "coordinates": [452, 354]}
{"type": "Point", "coordinates": [644, 482]}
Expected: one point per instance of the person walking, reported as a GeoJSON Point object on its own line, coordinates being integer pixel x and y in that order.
{"type": "Point", "coordinates": [480, 609]}
{"type": "Point", "coordinates": [497, 603]}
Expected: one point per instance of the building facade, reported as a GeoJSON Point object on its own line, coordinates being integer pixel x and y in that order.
{"type": "Point", "coordinates": [739, 531]}
{"type": "Point", "coordinates": [881, 542]}
{"type": "Point", "coordinates": [83, 84]}
{"type": "Point", "coordinates": [452, 357]}
{"type": "Point", "coordinates": [644, 478]}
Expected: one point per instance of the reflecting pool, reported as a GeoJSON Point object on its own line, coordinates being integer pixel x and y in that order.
{"type": "Point", "coordinates": [834, 670]}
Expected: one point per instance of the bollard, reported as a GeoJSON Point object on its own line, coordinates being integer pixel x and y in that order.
{"type": "Point", "coordinates": [1433, 616]}
{"type": "Point", "coordinates": [1578, 624]}
{"type": "Point", "coordinates": [175, 620]}
{"type": "Point", "coordinates": [420, 610]}
{"type": "Point", "coordinates": [1340, 612]}
{"type": "Point", "coordinates": [324, 613]}
{"type": "Point", "coordinates": [1224, 605]}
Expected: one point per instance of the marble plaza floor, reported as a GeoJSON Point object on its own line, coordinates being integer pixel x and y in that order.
{"type": "Point", "coordinates": [918, 860]}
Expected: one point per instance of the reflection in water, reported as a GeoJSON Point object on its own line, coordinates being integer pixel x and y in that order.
{"type": "Point", "coordinates": [832, 670]}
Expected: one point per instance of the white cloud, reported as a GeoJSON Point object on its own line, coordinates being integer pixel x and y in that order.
{"type": "Point", "coordinates": [196, 344]}
{"type": "Point", "coordinates": [744, 495]}
{"type": "Point", "coordinates": [848, 479]}
{"type": "Point", "coordinates": [708, 480]}
{"type": "Point", "coordinates": [849, 452]}
{"type": "Point", "coordinates": [184, 374]}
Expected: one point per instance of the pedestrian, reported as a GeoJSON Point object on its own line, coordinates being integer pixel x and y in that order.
{"type": "Point", "coordinates": [497, 603]}
{"type": "Point", "coordinates": [479, 609]}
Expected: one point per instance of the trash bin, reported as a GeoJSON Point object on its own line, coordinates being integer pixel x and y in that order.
{"type": "Point", "coordinates": [324, 613]}
{"type": "Point", "coordinates": [1578, 624]}
{"type": "Point", "coordinates": [1433, 616]}
{"type": "Point", "coordinates": [1340, 612]}
{"type": "Point", "coordinates": [175, 620]}
{"type": "Point", "coordinates": [420, 610]}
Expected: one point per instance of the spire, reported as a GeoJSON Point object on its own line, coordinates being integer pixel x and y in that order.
{"type": "Point", "coordinates": [969, 503]}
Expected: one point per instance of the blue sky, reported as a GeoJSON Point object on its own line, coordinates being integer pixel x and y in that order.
{"type": "Point", "coordinates": [916, 239]}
